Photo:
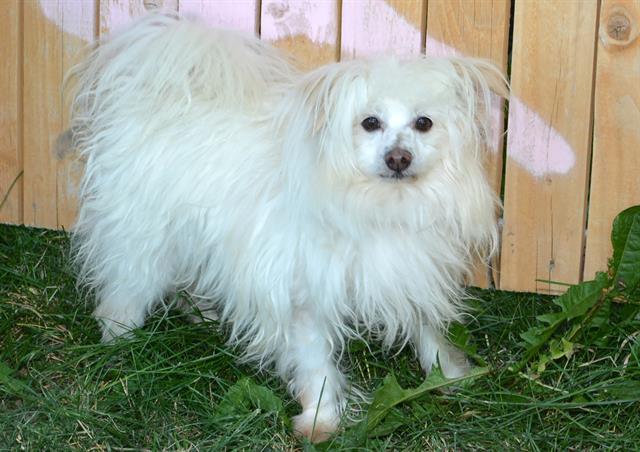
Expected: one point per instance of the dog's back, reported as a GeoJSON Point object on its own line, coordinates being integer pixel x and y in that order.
{"type": "Point", "coordinates": [173, 60]}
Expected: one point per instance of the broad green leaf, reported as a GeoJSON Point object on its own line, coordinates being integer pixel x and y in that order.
{"type": "Point", "coordinates": [561, 349]}
{"type": "Point", "coordinates": [537, 335]}
{"type": "Point", "coordinates": [541, 365]}
{"type": "Point", "coordinates": [620, 231]}
{"type": "Point", "coordinates": [603, 316]}
{"type": "Point", "coordinates": [552, 317]}
{"type": "Point", "coordinates": [245, 395]}
{"type": "Point", "coordinates": [625, 238]}
{"type": "Point", "coordinates": [576, 301]}
{"type": "Point", "coordinates": [391, 394]}
{"type": "Point", "coordinates": [389, 424]}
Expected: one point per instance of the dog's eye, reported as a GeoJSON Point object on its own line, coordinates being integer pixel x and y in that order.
{"type": "Point", "coordinates": [423, 124]}
{"type": "Point", "coordinates": [371, 124]}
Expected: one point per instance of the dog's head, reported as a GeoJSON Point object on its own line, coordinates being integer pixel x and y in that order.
{"type": "Point", "coordinates": [388, 131]}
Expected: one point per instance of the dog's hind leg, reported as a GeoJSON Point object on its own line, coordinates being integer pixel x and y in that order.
{"type": "Point", "coordinates": [129, 295]}
{"type": "Point", "coordinates": [431, 346]}
{"type": "Point", "coordinates": [120, 312]}
{"type": "Point", "coordinates": [314, 378]}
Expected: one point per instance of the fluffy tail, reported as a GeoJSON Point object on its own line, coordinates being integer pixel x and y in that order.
{"type": "Point", "coordinates": [165, 64]}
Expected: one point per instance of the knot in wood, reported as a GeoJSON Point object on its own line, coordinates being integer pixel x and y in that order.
{"type": "Point", "coordinates": [152, 4]}
{"type": "Point", "coordinates": [619, 27]}
{"type": "Point", "coordinates": [278, 9]}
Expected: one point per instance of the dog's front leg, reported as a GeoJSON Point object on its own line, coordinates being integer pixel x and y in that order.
{"type": "Point", "coordinates": [313, 376]}
{"type": "Point", "coordinates": [432, 346]}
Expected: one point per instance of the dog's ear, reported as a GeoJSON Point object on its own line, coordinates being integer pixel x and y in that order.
{"type": "Point", "coordinates": [330, 92]}
{"type": "Point", "coordinates": [481, 85]}
{"type": "Point", "coordinates": [483, 74]}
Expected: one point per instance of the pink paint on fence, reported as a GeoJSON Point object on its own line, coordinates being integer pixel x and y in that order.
{"type": "Point", "coordinates": [71, 16]}
{"type": "Point", "coordinates": [368, 27]}
{"type": "Point", "coordinates": [372, 27]}
{"type": "Point", "coordinates": [313, 19]}
{"type": "Point", "coordinates": [534, 144]}
{"type": "Point", "coordinates": [437, 48]}
{"type": "Point", "coordinates": [235, 14]}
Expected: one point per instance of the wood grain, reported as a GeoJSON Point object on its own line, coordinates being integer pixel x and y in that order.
{"type": "Point", "coordinates": [548, 144]}
{"type": "Point", "coordinates": [54, 33]}
{"type": "Point", "coordinates": [477, 28]}
{"type": "Point", "coordinates": [42, 113]}
{"type": "Point", "coordinates": [10, 120]}
{"type": "Point", "coordinates": [306, 30]}
{"type": "Point", "coordinates": [615, 173]}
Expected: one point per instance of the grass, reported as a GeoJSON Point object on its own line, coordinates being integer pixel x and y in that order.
{"type": "Point", "coordinates": [176, 385]}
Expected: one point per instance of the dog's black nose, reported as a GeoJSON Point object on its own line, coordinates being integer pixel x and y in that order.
{"type": "Point", "coordinates": [398, 159]}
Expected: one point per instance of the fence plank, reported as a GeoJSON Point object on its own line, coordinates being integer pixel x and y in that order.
{"type": "Point", "coordinates": [10, 121]}
{"type": "Point", "coordinates": [616, 160]}
{"type": "Point", "coordinates": [237, 14]}
{"type": "Point", "coordinates": [307, 30]}
{"type": "Point", "coordinates": [371, 27]}
{"type": "Point", "coordinates": [54, 32]}
{"type": "Point", "coordinates": [548, 144]}
{"type": "Point", "coordinates": [42, 111]}
{"type": "Point", "coordinates": [478, 28]}
{"type": "Point", "coordinates": [39, 129]}
{"type": "Point", "coordinates": [115, 14]}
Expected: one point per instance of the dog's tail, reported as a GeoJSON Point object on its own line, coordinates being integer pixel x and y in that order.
{"type": "Point", "coordinates": [164, 65]}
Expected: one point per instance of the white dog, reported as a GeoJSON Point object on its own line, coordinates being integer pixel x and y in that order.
{"type": "Point", "coordinates": [306, 208]}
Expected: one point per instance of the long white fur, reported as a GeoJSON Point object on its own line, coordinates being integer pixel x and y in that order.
{"type": "Point", "coordinates": [215, 167]}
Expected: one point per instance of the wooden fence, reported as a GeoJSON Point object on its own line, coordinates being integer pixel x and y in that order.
{"type": "Point", "coordinates": [573, 135]}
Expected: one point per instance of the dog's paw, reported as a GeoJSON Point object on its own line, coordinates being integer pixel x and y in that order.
{"type": "Point", "coordinates": [453, 362]}
{"type": "Point", "coordinates": [315, 428]}
{"type": "Point", "coordinates": [113, 330]}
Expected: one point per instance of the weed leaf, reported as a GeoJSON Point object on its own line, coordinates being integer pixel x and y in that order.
{"type": "Point", "coordinates": [538, 335]}
{"type": "Point", "coordinates": [393, 420]}
{"type": "Point", "coordinates": [575, 302]}
{"type": "Point", "coordinates": [625, 238]}
{"type": "Point", "coordinates": [588, 305]}
{"type": "Point", "coordinates": [245, 395]}
{"type": "Point", "coordinates": [391, 394]}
